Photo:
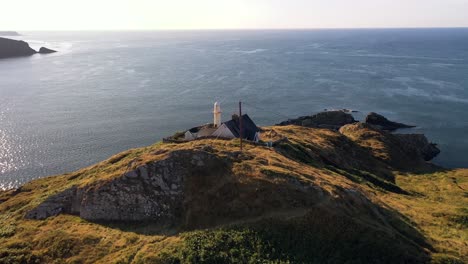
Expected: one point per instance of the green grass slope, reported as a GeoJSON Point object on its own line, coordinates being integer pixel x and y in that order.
{"type": "Point", "coordinates": [359, 210]}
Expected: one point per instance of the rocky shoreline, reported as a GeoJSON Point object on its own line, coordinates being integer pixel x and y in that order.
{"type": "Point", "coordinates": [10, 48]}
{"type": "Point", "coordinates": [334, 119]}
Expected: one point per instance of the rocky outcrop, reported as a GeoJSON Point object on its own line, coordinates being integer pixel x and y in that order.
{"type": "Point", "coordinates": [152, 191]}
{"type": "Point", "coordinates": [14, 48]}
{"type": "Point", "coordinates": [43, 50]}
{"type": "Point", "coordinates": [420, 144]}
{"type": "Point", "coordinates": [345, 110]}
{"type": "Point", "coordinates": [383, 123]}
{"type": "Point", "coordinates": [189, 188]}
{"type": "Point", "coordinates": [327, 119]}
{"type": "Point", "coordinates": [401, 151]}
{"type": "Point", "coordinates": [62, 202]}
{"type": "Point", "coordinates": [10, 48]}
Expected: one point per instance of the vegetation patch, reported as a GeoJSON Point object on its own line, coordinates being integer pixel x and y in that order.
{"type": "Point", "coordinates": [461, 220]}
{"type": "Point", "coordinates": [359, 176]}
{"type": "Point", "coordinates": [7, 230]}
{"type": "Point", "coordinates": [319, 237]}
{"type": "Point", "coordinates": [445, 259]}
{"type": "Point", "coordinates": [18, 252]}
{"type": "Point", "coordinates": [227, 246]}
{"type": "Point", "coordinates": [60, 245]}
{"type": "Point", "coordinates": [299, 153]}
{"type": "Point", "coordinates": [277, 173]}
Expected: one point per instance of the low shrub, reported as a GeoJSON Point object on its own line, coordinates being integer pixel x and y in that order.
{"type": "Point", "coordinates": [18, 253]}
{"type": "Point", "coordinates": [445, 259]}
{"type": "Point", "coordinates": [7, 231]}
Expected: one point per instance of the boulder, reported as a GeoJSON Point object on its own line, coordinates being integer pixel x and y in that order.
{"type": "Point", "coordinates": [383, 123]}
{"type": "Point", "coordinates": [43, 50]}
{"type": "Point", "coordinates": [14, 48]}
{"type": "Point", "coordinates": [328, 119]}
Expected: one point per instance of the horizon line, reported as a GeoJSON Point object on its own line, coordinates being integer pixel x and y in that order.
{"type": "Point", "coordinates": [238, 29]}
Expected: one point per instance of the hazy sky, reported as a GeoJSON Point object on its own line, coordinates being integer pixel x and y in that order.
{"type": "Point", "coordinates": [229, 14]}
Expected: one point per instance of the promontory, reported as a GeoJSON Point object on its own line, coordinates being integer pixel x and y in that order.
{"type": "Point", "coordinates": [10, 48]}
{"type": "Point", "coordinates": [9, 33]}
{"type": "Point", "coordinates": [318, 189]}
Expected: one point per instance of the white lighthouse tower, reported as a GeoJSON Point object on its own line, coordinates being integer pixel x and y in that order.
{"type": "Point", "coordinates": [217, 115]}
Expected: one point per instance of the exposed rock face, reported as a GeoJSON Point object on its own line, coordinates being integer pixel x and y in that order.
{"type": "Point", "coordinates": [383, 123]}
{"type": "Point", "coordinates": [339, 151]}
{"type": "Point", "coordinates": [419, 143]}
{"type": "Point", "coordinates": [189, 188]}
{"type": "Point", "coordinates": [62, 202]}
{"type": "Point", "coordinates": [400, 151]}
{"type": "Point", "coordinates": [328, 119]}
{"type": "Point", "coordinates": [150, 192]}
{"type": "Point", "coordinates": [14, 48]}
{"type": "Point", "coordinates": [43, 50]}
{"type": "Point", "coordinates": [10, 48]}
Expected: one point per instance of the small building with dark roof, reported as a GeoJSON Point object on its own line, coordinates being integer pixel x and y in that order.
{"type": "Point", "coordinates": [200, 131]}
{"type": "Point", "coordinates": [228, 129]}
{"type": "Point", "coordinates": [231, 129]}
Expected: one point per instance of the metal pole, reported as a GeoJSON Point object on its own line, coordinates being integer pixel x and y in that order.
{"type": "Point", "coordinates": [240, 124]}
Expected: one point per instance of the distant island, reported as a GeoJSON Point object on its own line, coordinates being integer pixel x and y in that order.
{"type": "Point", "coordinates": [317, 189]}
{"type": "Point", "coordinates": [9, 33]}
{"type": "Point", "coordinates": [10, 48]}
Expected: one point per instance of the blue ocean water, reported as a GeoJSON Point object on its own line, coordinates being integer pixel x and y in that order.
{"type": "Point", "coordinates": [105, 92]}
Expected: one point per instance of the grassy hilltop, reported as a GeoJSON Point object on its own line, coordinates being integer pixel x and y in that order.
{"type": "Point", "coordinates": [319, 196]}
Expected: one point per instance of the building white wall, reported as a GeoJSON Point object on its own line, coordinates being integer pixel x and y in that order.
{"type": "Point", "coordinates": [189, 136]}
{"type": "Point", "coordinates": [223, 132]}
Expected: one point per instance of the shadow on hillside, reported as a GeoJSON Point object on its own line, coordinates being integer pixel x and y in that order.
{"type": "Point", "coordinates": [143, 228]}
{"type": "Point", "coordinates": [348, 228]}
{"type": "Point", "coordinates": [354, 162]}
{"type": "Point", "coordinates": [322, 235]}
{"type": "Point", "coordinates": [432, 168]}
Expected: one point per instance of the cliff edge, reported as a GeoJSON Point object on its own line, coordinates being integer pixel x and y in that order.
{"type": "Point", "coordinates": [14, 48]}
{"type": "Point", "coordinates": [10, 48]}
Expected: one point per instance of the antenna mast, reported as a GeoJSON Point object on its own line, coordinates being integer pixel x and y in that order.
{"type": "Point", "coordinates": [240, 124]}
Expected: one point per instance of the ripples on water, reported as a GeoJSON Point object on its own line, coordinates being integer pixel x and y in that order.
{"type": "Point", "coordinates": [105, 92]}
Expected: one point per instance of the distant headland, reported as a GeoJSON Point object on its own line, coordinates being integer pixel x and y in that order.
{"type": "Point", "coordinates": [10, 48]}
{"type": "Point", "coordinates": [9, 33]}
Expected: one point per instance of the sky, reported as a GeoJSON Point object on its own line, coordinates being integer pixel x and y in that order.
{"type": "Point", "coordinates": [229, 14]}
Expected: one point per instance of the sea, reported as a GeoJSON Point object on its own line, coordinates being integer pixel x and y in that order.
{"type": "Point", "coordinates": [106, 92]}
